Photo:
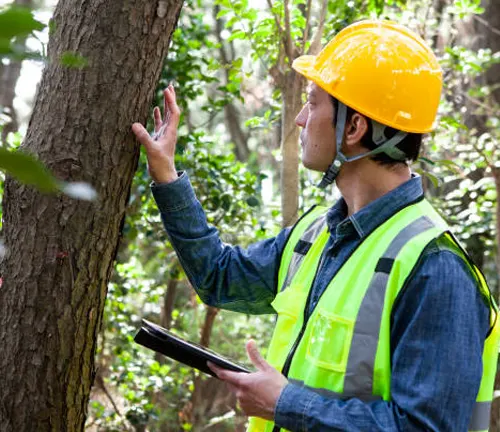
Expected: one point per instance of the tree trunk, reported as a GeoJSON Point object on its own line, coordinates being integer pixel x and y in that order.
{"type": "Point", "coordinates": [9, 74]}
{"type": "Point", "coordinates": [206, 331]}
{"type": "Point", "coordinates": [167, 309]}
{"type": "Point", "coordinates": [199, 406]}
{"type": "Point", "coordinates": [292, 102]}
{"type": "Point", "coordinates": [60, 252]}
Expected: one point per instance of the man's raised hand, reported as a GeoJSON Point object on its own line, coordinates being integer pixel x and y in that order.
{"type": "Point", "coordinates": [160, 147]}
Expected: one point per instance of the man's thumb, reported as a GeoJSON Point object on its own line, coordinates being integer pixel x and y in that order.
{"type": "Point", "coordinates": [142, 135]}
{"type": "Point", "coordinates": [255, 357]}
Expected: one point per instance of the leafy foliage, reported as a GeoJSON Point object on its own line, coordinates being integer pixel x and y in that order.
{"type": "Point", "coordinates": [16, 22]}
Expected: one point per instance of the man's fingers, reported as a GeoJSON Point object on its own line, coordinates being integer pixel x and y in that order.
{"type": "Point", "coordinates": [226, 375]}
{"type": "Point", "coordinates": [166, 114]}
{"type": "Point", "coordinates": [142, 135]}
{"type": "Point", "coordinates": [215, 369]}
{"type": "Point", "coordinates": [172, 107]}
{"type": "Point", "coordinates": [157, 118]}
{"type": "Point", "coordinates": [255, 356]}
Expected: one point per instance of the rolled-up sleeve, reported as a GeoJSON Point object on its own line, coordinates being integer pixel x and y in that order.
{"type": "Point", "coordinates": [224, 276]}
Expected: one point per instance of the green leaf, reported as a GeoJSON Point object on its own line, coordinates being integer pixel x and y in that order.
{"type": "Point", "coordinates": [5, 47]}
{"type": "Point", "coordinates": [253, 201]}
{"type": "Point", "coordinates": [450, 164]}
{"type": "Point", "coordinates": [238, 63]}
{"type": "Point", "coordinates": [222, 12]}
{"type": "Point", "coordinates": [18, 21]}
{"type": "Point", "coordinates": [435, 180]}
{"type": "Point", "coordinates": [253, 122]}
{"type": "Point", "coordinates": [251, 14]}
{"type": "Point", "coordinates": [28, 170]}
{"type": "Point", "coordinates": [426, 160]}
{"type": "Point", "coordinates": [238, 34]}
{"type": "Point", "coordinates": [73, 60]}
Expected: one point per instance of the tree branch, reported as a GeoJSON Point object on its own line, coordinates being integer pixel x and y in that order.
{"type": "Point", "coordinates": [287, 37]}
{"type": "Point", "coordinates": [490, 110]}
{"type": "Point", "coordinates": [316, 41]}
{"type": "Point", "coordinates": [276, 18]}
{"type": "Point", "coordinates": [487, 24]}
{"type": "Point", "coordinates": [100, 383]}
{"type": "Point", "coordinates": [308, 25]}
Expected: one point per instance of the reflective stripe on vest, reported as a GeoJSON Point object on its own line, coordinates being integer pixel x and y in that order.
{"type": "Point", "coordinates": [361, 362]}
{"type": "Point", "coordinates": [361, 368]}
{"type": "Point", "coordinates": [481, 414]}
{"type": "Point", "coordinates": [303, 246]}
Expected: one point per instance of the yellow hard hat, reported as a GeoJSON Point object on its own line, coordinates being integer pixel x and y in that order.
{"type": "Point", "coordinates": [382, 70]}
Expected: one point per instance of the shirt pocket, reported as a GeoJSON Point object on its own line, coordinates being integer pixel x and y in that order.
{"type": "Point", "coordinates": [329, 341]}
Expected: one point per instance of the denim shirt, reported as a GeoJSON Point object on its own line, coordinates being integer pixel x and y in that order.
{"type": "Point", "coordinates": [439, 320]}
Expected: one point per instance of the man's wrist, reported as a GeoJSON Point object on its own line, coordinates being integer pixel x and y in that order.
{"type": "Point", "coordinates": [167, 176]}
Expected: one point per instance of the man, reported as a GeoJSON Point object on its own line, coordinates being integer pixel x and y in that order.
{"type": "Point", "coordinates": [384, 324]}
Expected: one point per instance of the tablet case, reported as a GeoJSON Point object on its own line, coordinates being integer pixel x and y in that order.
{"type": "Point", "coordinates": [161, 340]}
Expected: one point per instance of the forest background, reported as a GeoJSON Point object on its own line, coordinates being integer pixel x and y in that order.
{"type": "Point", "coordinates": [230, 62]}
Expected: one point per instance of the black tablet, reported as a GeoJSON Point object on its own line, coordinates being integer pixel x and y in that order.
{"type": "Point", "coordinates": [161, 340]}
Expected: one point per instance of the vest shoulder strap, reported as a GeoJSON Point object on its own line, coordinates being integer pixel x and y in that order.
{"type": "Point", "coordinates": [299, 241]}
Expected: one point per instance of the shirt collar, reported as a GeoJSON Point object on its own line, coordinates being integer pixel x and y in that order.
{"type": "Point", "coordinates": [377, 212]}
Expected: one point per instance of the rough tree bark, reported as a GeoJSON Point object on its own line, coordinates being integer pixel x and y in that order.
{"type": "Point", "coordinates": [61, 251]}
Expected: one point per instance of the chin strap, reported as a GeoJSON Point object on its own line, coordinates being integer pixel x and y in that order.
{"type": "Point", "coordinates": [387, 146]}
{"type": "Point", "coordinates": [333, 170]}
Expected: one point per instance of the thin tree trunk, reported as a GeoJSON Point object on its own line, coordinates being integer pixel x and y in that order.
{"type": "Point", "coordinates": [290, 133]}
{"type": "Point", "coordinates": [60, 252]}
{"type": "Point", "coordinates": [206, 331]}
{"type": "Point", "coordinates": [168, 304]}
{"type": "Point", "coordinates": [196, 408]}
{"type": "Point", "coordinates": [167, 309]}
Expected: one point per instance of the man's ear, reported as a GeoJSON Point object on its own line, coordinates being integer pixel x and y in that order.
{"type": "Point", "coordinates": [356, 129]}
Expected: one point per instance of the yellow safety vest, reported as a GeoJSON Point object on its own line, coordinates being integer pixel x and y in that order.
{"type": "Point", "coordinates": [343, 350]}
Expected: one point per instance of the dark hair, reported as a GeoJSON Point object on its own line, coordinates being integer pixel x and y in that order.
{"type": "Point", "coordinates": [410, 144]}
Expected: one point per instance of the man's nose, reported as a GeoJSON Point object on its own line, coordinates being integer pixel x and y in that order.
{"type": "Point", "coordinates": [301, 118]}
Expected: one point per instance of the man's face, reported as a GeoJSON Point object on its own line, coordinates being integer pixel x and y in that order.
{"type": "Point", "coordinates": [317, 137]}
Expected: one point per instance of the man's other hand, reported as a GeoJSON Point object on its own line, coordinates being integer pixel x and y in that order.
{"type": "Point", "coordinates": [257, 393]}
{"type": "Point", "coordinates": [160, 147]}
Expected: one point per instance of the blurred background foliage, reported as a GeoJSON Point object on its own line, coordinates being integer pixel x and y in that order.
{"type": "Point", "coordinates": [225, 61]}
